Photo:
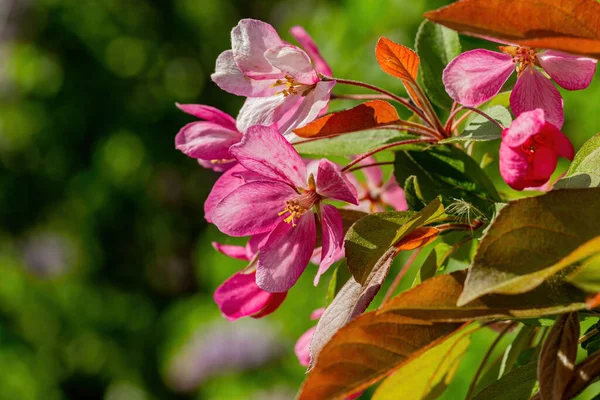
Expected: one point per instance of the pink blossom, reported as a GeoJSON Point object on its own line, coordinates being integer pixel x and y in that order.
{"type": "Point", "coordinates": [374, 195]}
{"type": "Point", "coordinates": [208, 140]}
{"type": "Point", "coordinates": [530, 149]}
{"type": "Point", "coordinates": [280, 203]}
{"type": "Point", "coordinates": [239, 296]}
{"type": "Point", "coordinates": [476, 76]}
{"type": "Point", "coordinates": [283, 88]}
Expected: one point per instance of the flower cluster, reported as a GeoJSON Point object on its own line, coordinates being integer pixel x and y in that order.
{"type": "Point", "coordinates": [289, 207]}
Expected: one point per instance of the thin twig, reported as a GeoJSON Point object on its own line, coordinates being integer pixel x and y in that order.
{"type": "Point", "coordinates": [419, 131]}
{"type": "Point", "coordinates": [588, 335]}
{"type": "Point", "coordinates": [455, 110]}
{"type": "Point", "coordinates": [335, 96]}
{"type": "Point", "coordinates": [487, 355]}
{"type": "Point", "coordinates": [370, 165]}
{"type": "Point", "coordinates": [406, 103]}
{"type": "Point", "coordinates": [460, 120]}
{"type": "Point", "coordinates": [437, 124]}
{"type": "Point", "coordinates": [398, 278]}
{"type": "Point", "coordinates": [387, 146]}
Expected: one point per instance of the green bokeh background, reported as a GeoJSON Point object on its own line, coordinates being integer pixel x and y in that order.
{"type": "Point", "coordinates": [106, 267]}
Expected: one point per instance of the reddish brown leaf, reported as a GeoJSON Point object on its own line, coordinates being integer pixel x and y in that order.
{"type": "Point", "coordinates": [568, 25]}
{"type": "Point", "coordinates": [557, 358]}
{"type": "Point", "coordinates": [367, 350]}
{"type": "Point", "coordinates": [365, 116]}
{"type": "Point", "coordinates": [585, 374]}
{"type": "Point", "coordinates": [418, 238]}
{"type": "Point", "coordinates": [397, 60]}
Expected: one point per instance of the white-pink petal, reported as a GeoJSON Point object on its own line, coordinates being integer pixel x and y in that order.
{"type": "Point", "coordinates": [533, 90]}
{"type": "Point", "coordinates": [333, 183]}
{"type": "Point", "coordinates": [266, 111]}
{"type": "Point", "coordinates": [252, 208]}
{"type": "Point", "coordinates": [310, 107]}
{"type": "Point", "coordinates": [231, 79]}
{"type": "Point", "coordinates": [569, 71]}
{"type": "Point", "coordinates": [238, 252]}
{"type": "Point", "coordinates": [249, 40]}
{"type": "Point", "coordinates": [309, 45]}
{"type": "Point", "coordinates": [333, 238]}
{"type": "Point", "coordinates": [286, 254]}
{"type": "Point", "coordinates": [264, 151]}
{"type": "Point", "coordinates": [476, 76]}
{"type": "Point", "coordinates": [226, 184]}
{"type": "Point", "coordinates": [294, 62]}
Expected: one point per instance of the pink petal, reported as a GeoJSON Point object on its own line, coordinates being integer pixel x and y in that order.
{"type": "Point", "coordinates": [265, 111]}
{"type": "Point", "coordinates": [210, 114]}
{"type": "Point", "coordinates": [264, 151]}
{"type": "Point", "coordinates": [569, 71]}
{"type": "Point", "coordinates": [561, 144]}
{"type": "Point", "coordinates": [310, 107]}
{"type": "Point", "coordinates": [311, 48]}
{"type": "Point", "coordinates": [514, 167]}
{"type": "Point", "coordinates": [220, 166]}
{"type": "Point", "coordinates": [333, 238]}
{"type": "Point", "coordinates": [293, 61]}
{"type": "Point", "coordinates": [533, 90]}
{"type": "Point", "coordinates": [393, 195]}
{"type": "Point", "coordinates": [231, 79]}
{"type": "Point", "coordinates": [316, 314]}
{"type": "Point", "coordinates": [333, 183]}
{"type": "Point", "coordinates": [238, 252]}
{"type": "Point", "coordinates": [222, 187]}
{"type": "Point", "coordinates": [249, 40]}
{"type": "Point", "coordinates": [525, 126]}
{"type": "Point", "coordinates": [302, 347]}
{"type": "Point", "coordinates": [251, 208]}
{"type": "Point", "coordinates": [239, 296]}
{"type": "Point", "coordinates": [206, 140]}
{"type": "Point", "coordinates": [476, 76]}
{"type": "Point", "coordinates": [286, 254]}
{"type": "Point", "coordinates": [274, 302]}
{"type": "Point", "coordinates": [544, 164]}
{"type": "Point", "coordinates": [255, 243]}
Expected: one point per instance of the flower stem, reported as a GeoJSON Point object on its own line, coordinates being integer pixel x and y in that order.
{"type": "Point", "coordinates": [370, 165]}
{"type": "Point", "coordinates": [387, 146]}
{"type": "Point", "coordinates": [398, 278]}
{"type": "Point", "coordinates": [360, 97]}
{"type": "Point", "coordinates": [405, 102]}
{"type": "Point", "coordinates": [455, 110]}
{"type": "Point", "coordinates": [486, 358]}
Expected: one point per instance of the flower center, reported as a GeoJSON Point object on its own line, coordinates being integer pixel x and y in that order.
{"type": "Point", "coordinates": [293, 87]}
{"type": "Point", "coordinates": [522, 56]}
{"type": "Point", "coordinates": [531, 145]}
{"type": "Point", "coordinates": [299, 205]}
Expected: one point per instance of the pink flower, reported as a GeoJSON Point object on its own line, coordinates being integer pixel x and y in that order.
{"type": "Point", "coordinates": [374, 194]}
{"type": "Point", "coordinates": [280, 202]}
{"type": "Point", "coordinates": [476, 76]}
{"type": "Point", "coordinates": [208, 140]}
{"type": "Point", "coordinates": [530, 149]}
{"type": "Point", "coordinates": [239, 296]}
{"type": "Point", "coordinates": [283, 88]}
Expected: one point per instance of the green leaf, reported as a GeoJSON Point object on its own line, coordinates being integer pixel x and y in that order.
{"type": "Point", "coordinates": [340, 276]}
{"type": "Point", "coordinates": [592, 344]}
{"type": "Point", "coordinates": [482, 129]}
{"type": "Point", "coordinates": [436, 45]}
{"type": "Point", "coordinates": [588, 276]}
{"type": "Point", "coordinates": [449, 172]}
{"type": "Point", "coordinates": [369, 238]}
{"type": "Point", "coordinates": [413, 195]}
{"type": "Point", "coordinates": [431, 371]}
{"type": "Point", "coordinates": [522, 342]}
{"type": "Point", "coordinates": [436, 260]}
{"type": "Point", "coordinates": [584, 171]}
{"type": "Point", "coordinates": [351, 143]}
{"type": "Point", "coordinates": [532, 240]}
{"type": "Point", "coordinates": [516, 385]}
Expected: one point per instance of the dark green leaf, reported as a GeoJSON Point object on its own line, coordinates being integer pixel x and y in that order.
{"type": "Point", "coordinates": [482, 129]}
{"type": "Point", "coordinates": [592, 343]}
{"type": "Point", "coordinates": [436, 260]}
{"type": "Point", "coordinates": [522, 342]}
{"type": "Point", "coordinates": [413, 195]}
{"type": "Point", "coordinates": [532, 240]}
{"type": "Point", "coordinates": [449, 172]}
{"type": "Point", "coordinates": [516, 385]}
{"type": "Point", "coordinates": [351, 143]}
{"type": "Point", "coordinates": [369, 238]}
{"type": "Point", "coordinates": [436, 45]}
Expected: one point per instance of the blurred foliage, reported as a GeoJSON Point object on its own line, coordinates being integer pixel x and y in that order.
{"type": "Point", "coordinates": [106, 267]}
